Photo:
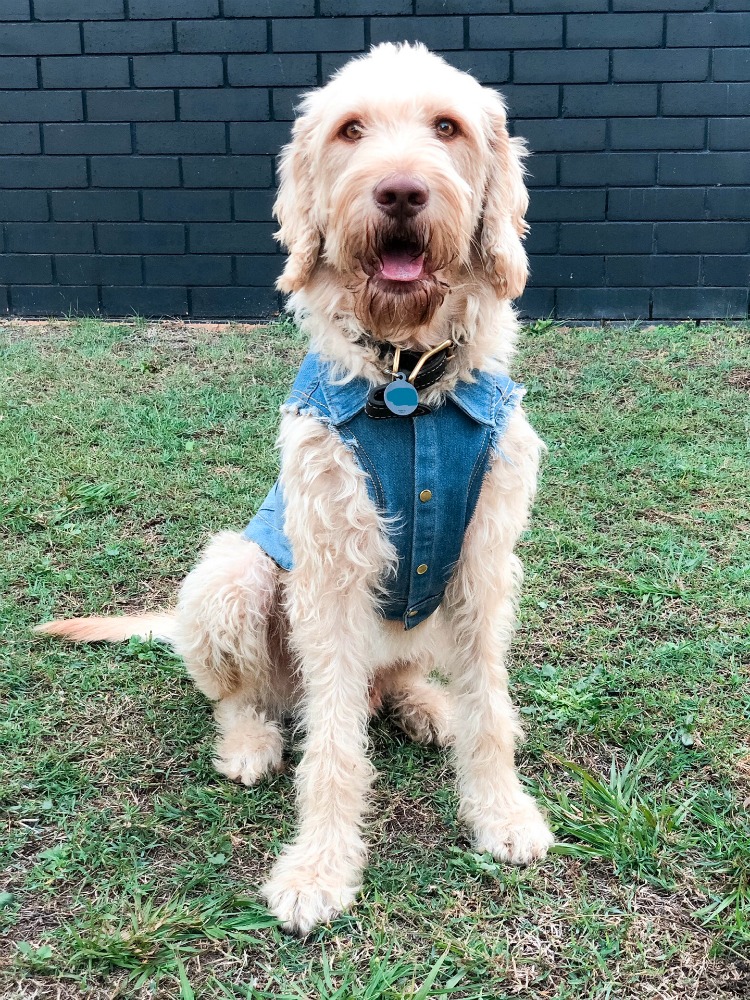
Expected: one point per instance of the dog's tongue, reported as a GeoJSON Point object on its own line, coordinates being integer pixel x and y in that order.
{"type": "Point", "coordinates": [400, 265]}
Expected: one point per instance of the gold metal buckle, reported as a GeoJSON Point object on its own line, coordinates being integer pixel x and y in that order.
{"type": "Point", "coordinates": [423, 360]}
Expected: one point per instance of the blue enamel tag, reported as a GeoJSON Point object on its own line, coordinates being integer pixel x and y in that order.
{"type": "Point", "coordinates": [401, 397]}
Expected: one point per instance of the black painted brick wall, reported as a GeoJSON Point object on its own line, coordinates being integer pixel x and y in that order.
{"type": "Point", "coordinates": [137, 140]}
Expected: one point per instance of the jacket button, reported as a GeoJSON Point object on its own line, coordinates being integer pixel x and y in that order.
{"type": "Point", "coordinates": [422, 569]}
{"type": "Point", "coordinates": [412, 614]}
{"type": "Point", "coordinates": [425, 495]}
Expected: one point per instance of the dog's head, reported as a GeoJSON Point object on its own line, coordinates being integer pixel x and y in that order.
{"type": "Point", "coordinates": [402, 180]}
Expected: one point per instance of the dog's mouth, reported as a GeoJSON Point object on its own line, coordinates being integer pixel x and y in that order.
{"type": "Point", "coordinates": [401, 260]}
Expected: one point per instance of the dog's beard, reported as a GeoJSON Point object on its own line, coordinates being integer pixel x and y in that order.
{"type": "Point", "coordinates": [386, 305]}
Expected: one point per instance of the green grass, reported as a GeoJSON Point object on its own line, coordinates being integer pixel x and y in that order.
{"type": "Point", "coordinates": [131, 868]}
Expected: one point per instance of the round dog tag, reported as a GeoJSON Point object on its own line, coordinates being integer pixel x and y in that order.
{"type": "Point", "coordinates": [401, 397]}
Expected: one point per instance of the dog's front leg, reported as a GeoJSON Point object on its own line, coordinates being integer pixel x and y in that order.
{"type": "Point", "coordinates": [339, 552]}
{"type": "Point", "coordinates": [481, 605]}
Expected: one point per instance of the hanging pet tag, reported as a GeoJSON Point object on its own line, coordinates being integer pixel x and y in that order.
{"type": "Point", "coordinates": [401, 397]}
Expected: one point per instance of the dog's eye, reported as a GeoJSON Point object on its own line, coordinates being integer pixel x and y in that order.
{"type": "Point", "coordinates": [352, 131]}
{"type": "Point", "coordinates": [446, 128]}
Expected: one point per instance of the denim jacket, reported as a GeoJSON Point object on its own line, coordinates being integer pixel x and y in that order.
{"type": "Point", "coordinates": [424, 476]}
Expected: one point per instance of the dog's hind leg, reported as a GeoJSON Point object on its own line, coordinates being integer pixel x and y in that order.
{"type": "Point", "coordinates": [419, 706]}
{"type": "Point", "coordinates": [225, 617]}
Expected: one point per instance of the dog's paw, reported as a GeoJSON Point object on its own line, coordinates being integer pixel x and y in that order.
{"type": "Point", "coordinates": [423, 712]}
{"type": "Point", "coordinates": [302, 900]}
{"type": "Point", "coordinates": [248, 760]}
{"type": "Point", "coordinates": [519, 837]}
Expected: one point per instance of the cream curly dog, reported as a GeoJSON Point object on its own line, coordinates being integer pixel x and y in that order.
{"type": "Point", "coordinates": [402, 207]}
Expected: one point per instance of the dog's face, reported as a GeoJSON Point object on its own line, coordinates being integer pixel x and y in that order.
{"type": "Point", "coordinates": [402, 181]}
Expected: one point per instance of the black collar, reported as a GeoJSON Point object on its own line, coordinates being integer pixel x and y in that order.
{"type": "Point", "coordinates": [430, 367]}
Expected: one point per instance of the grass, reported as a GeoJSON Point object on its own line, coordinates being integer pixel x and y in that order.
{"type": "Point", "coordinates": [131, 868]}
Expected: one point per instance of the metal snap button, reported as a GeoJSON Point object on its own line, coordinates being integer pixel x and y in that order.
{"type": "Point", "coordinates": [422, 569]}
{"type": "Point", "coordinates": [425, 495]}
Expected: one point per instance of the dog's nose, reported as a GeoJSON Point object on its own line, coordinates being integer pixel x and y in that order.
{"type": "Point", "coordinates": [401, 195]}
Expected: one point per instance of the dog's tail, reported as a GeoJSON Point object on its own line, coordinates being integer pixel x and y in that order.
{"type": "Point", "coordinates": [158, 626]}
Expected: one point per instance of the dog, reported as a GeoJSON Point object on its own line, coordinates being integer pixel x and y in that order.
{"type": "Point", "coordinates": [401, 205]}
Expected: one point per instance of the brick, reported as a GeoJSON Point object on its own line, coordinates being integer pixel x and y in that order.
{"type": "Point", "coordinates": [609, 101]}
{"type": "Point", "coordinates": [543, 32]}
{"type": "Point", "coordinates": [732, 64]}
{"type": "Point", "coordinates": [53, 300]}
{"type": "Point", "coordinates": [561, 272]}
{"type": "Point", "coordinates": [97, 269]}
{"type": "Point", "coordinates": [487, 67]}
{"type": "Point", "coordinates": [187, 206]}
{"type": "Point", "coordinates": [655, 269]}
{"type": "Point", "coordinates": [47, 237]}
{"type": "Point", "coordinates": [566, 205]}
{"type": "Point", "coordinates": [603, 303]}
{"type": "Point", "coordinates": [188, 269]}
{"type": "Point", "coordinates": [285, 101]}
{"type": "Point", "coordinates": [593, 31]}
{"type": "Point", "coordinates": [235, 302]}
{"type": "Point", "coordinates": [15, 10]}
{"type": "Point", "coordinates": [130, 105]}
{"type": "Point", "coordinates": [178, 71]}
{"type": "Point", "coordinates": [23, 206]}
{"type": "Point", "coordinates": [78, 10]}
{"type": "Point", "coordinates": [62, 72]}
{"type": "Point", "coordinates": [661, 65]}
{"type": "Point", "coordinates": [226, 104]}
{"type": "Point", "coordinates": [633, 204]}
{"type": "Point", "coordinates": [25, 269]}
{"type": "Point", "coordinates": [336, 8]}
{"type": "Point", "coordinates": [258, 137]}
{"type": "Point", "coordinates": [39, 39]}
{"type": "Point", "coordinates": [562, 134]}
{"type": "Point", "coordinates": [127, 37]}
{"type": "Point", "coordinates": [606, 237]}
{"type": "Point", "coordinates": [725, 270]}
{"type": "Point", "coordinates": [537, 302]}
{"type": "Point", "coordinates": [226, 171]}
{"type": "Point", "coordinates": [330, 62]}
{"type": "Point", "coordinates": [699, 303]}
{"type": "Point", "coordinates": [269, 8]}
{"type": "Point", "coordinates": [86, 138]}
{"type": "Point", "coordinates": [259, 271]}
{"type": "Point", "coordinates": [19, 139]}
{"type": "Point", "coordinates": [17, 74]}
{"type": "Point", "coordinates": [561, 67]}
{"type": "Point", "coordinates": [180, 137]}
{"type": "Point", "coordinates": [94, 206]}
{"type": "Point", "coordinates": [4, 308]}
{"type": "Point", "coordinates": [232, 237]}
{"type": "Point", "coordinates": [531, 102]}
{"type": "Point", "coordinates": [702, 237]}
{"type": "Point", "coordinates": [660, 6]}
{"type": "Point", "coordinates": [38, 105]}
{"type": "Point", "coordinates": [272, 70]}
{"type": "Point", "coordinates": [727, 203]}
{"type": "Point", "coordinates": [173, 8]}
{"type": "Point", "coordinates": [705, 98]}
{"type": "Point", "coordinates": [607, 169]}
{"type": "Point", "coordinates": [555, 6]}
{"type": "Point", "coordinates": [707, 29]}
{"type": "Point", "coordinates": [221, 36]}
{"type": "Point", "coordinates": [543, 238]}
{"type": "Point", "coordinates": [704, 168]}
{"type": "Point", "coordinates": [135, 171]}
{"type": "Point", "coordinates": [732, 4]}
{"type": "Point", "coordinates": [300, 35]}
{"type": "Point", "coordinates": [463, 6]}
{"type": "Point", "coordinates": [729, 133]}
{"type": "Point", "coordinates": [142, 301]}
{"type": "Point", "coordinates": [42, 171]}
{"type": "Point", "coordinates": [140, 237]}
{"type": "Point", "coordinates": [541, 170]}
{"type": "Point", "coordinates": [254, 206]}
{"type": "Point", "coordinates": [657, 133]}
{"type": "Point", "coordinates": [435, 32]}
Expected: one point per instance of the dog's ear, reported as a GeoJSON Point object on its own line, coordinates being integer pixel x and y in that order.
{"type": "Point", "coordinates": [505, 203]}
{"type": "Point", "coordinates": [298, 230]}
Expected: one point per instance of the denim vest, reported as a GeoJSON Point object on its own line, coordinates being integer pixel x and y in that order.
{"type": "Point", "coordinates": [424, 476]}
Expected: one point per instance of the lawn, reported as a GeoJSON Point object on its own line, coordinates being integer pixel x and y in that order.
{"type": "Point", "coordinates": [131, 868]}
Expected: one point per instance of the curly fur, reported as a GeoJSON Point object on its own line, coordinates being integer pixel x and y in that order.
{"type": "Point", "coordinates": [260, 642]}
